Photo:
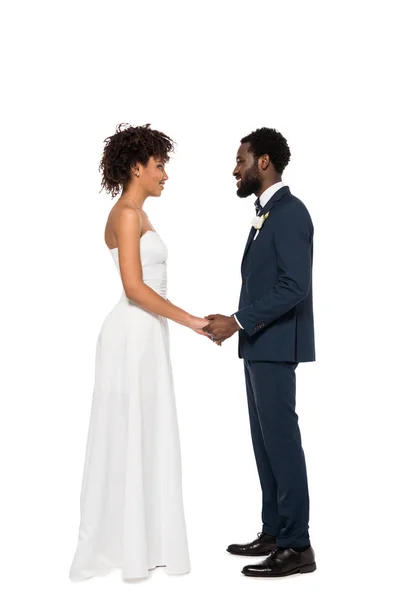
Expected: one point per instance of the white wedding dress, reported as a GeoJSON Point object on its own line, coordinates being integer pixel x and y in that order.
{"type": "Point", "coordinates": [132, 514]}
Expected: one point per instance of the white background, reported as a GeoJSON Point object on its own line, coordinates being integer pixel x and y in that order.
{"type": "Point", "coordinates": [324, 74]}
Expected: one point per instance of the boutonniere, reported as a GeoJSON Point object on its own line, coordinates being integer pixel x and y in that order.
{"type": "Point", "coordinates": [258, 222]}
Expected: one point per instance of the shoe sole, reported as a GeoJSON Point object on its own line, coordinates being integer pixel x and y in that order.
{"type": "Point", "coordinates": [248, 554]}
{"type": "Point", "coordinates": [303, 569]}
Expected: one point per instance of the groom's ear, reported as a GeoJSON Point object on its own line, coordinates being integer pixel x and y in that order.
{"type": "Point", "coordinates": [263, 162]}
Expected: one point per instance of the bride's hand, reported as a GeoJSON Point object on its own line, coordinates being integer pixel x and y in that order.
{"type": "Point", "coordinates": [197, 325]}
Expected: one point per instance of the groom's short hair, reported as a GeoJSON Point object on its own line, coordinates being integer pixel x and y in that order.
{"type": "Point", "coordinates": [269, 141]}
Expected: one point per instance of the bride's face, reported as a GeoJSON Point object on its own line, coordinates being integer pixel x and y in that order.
{"type": "Point", "coordinates": [153, 176]}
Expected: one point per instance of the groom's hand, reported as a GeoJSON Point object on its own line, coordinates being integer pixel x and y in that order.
{"type": "Point", "coordinates": [221, 327]}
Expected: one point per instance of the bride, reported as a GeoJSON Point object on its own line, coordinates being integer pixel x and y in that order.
{"type": "Point", "coordinates": [132, 514]}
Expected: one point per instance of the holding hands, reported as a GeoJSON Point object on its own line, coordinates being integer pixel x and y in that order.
{"type": "Point", "coordinates": [216, 327]}
{"type": "Point", "coordinates": [198, 325]}
{"type": "Point", "coordinates": [220, 327]}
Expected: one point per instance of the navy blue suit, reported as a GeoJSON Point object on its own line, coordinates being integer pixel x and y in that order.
{"type": "Point", "coordinates": [276, 313]}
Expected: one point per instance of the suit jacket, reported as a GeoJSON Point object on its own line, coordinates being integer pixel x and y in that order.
{"type": "Point", "coordinates": [276, 306]}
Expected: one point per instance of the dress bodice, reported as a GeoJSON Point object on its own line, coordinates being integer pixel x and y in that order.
{"type": "Point", "coordinates": [153, 256]}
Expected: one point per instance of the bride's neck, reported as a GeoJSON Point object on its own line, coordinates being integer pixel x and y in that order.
{"type": "Point", "coordinates": [134, 199]}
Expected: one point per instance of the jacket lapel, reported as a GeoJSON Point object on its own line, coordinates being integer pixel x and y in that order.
{"type": "Point", "coordinates": [268, 207]}
{"type": "Point", "coordinates": [251, 235]}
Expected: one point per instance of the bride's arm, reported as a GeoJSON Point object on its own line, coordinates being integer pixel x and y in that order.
{"type": "Point", "coordinates": [128, 241]}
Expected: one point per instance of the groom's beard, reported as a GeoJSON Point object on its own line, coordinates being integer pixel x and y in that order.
{"type": "Point", "coordinates": [251, 184]}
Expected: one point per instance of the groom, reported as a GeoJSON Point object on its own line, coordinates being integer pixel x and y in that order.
{"type": "Point", "coordinates": [276, 332]}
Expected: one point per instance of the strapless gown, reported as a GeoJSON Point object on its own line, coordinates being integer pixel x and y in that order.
{"type": "Point", "coordinates": [132, 514]}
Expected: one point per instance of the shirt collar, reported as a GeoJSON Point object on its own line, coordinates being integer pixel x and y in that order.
{"type": "Point", "coordinates": [269, 192]}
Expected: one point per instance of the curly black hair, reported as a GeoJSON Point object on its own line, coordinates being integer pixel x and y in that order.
{"type": "Point", "coordinates": [128, 146]}
{"type": "Point", "coordinates": [271, 142]}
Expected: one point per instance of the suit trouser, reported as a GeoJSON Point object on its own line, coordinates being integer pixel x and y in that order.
{"type": "Point", "coordinates": [271, 395]}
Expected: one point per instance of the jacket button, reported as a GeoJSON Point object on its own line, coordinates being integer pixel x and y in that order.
{"type": "Point", "coordinates": [243, 281]}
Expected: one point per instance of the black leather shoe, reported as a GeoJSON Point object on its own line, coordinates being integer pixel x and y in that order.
{"type": "Point", "coordinates": [264, 544]}
{"type": "Point", "coordinates": [282, 562]}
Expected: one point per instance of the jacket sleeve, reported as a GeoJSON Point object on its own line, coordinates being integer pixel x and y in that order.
{"type": "Point", "coordinates": [293, 234]}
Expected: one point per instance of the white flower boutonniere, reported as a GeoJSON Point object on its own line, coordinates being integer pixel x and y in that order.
{"type": "Point", "coordinates": [258, 222]}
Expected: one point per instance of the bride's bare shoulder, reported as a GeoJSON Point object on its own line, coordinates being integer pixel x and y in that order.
{"type": "Point", "coordinates": [120, 214]}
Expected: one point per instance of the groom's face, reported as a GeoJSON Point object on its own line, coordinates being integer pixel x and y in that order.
{"type": "Point", "coordinates": [247, 172]}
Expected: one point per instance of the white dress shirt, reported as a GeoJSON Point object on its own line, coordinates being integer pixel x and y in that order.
{"type": "Point", "coordinates": [265, 196]}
